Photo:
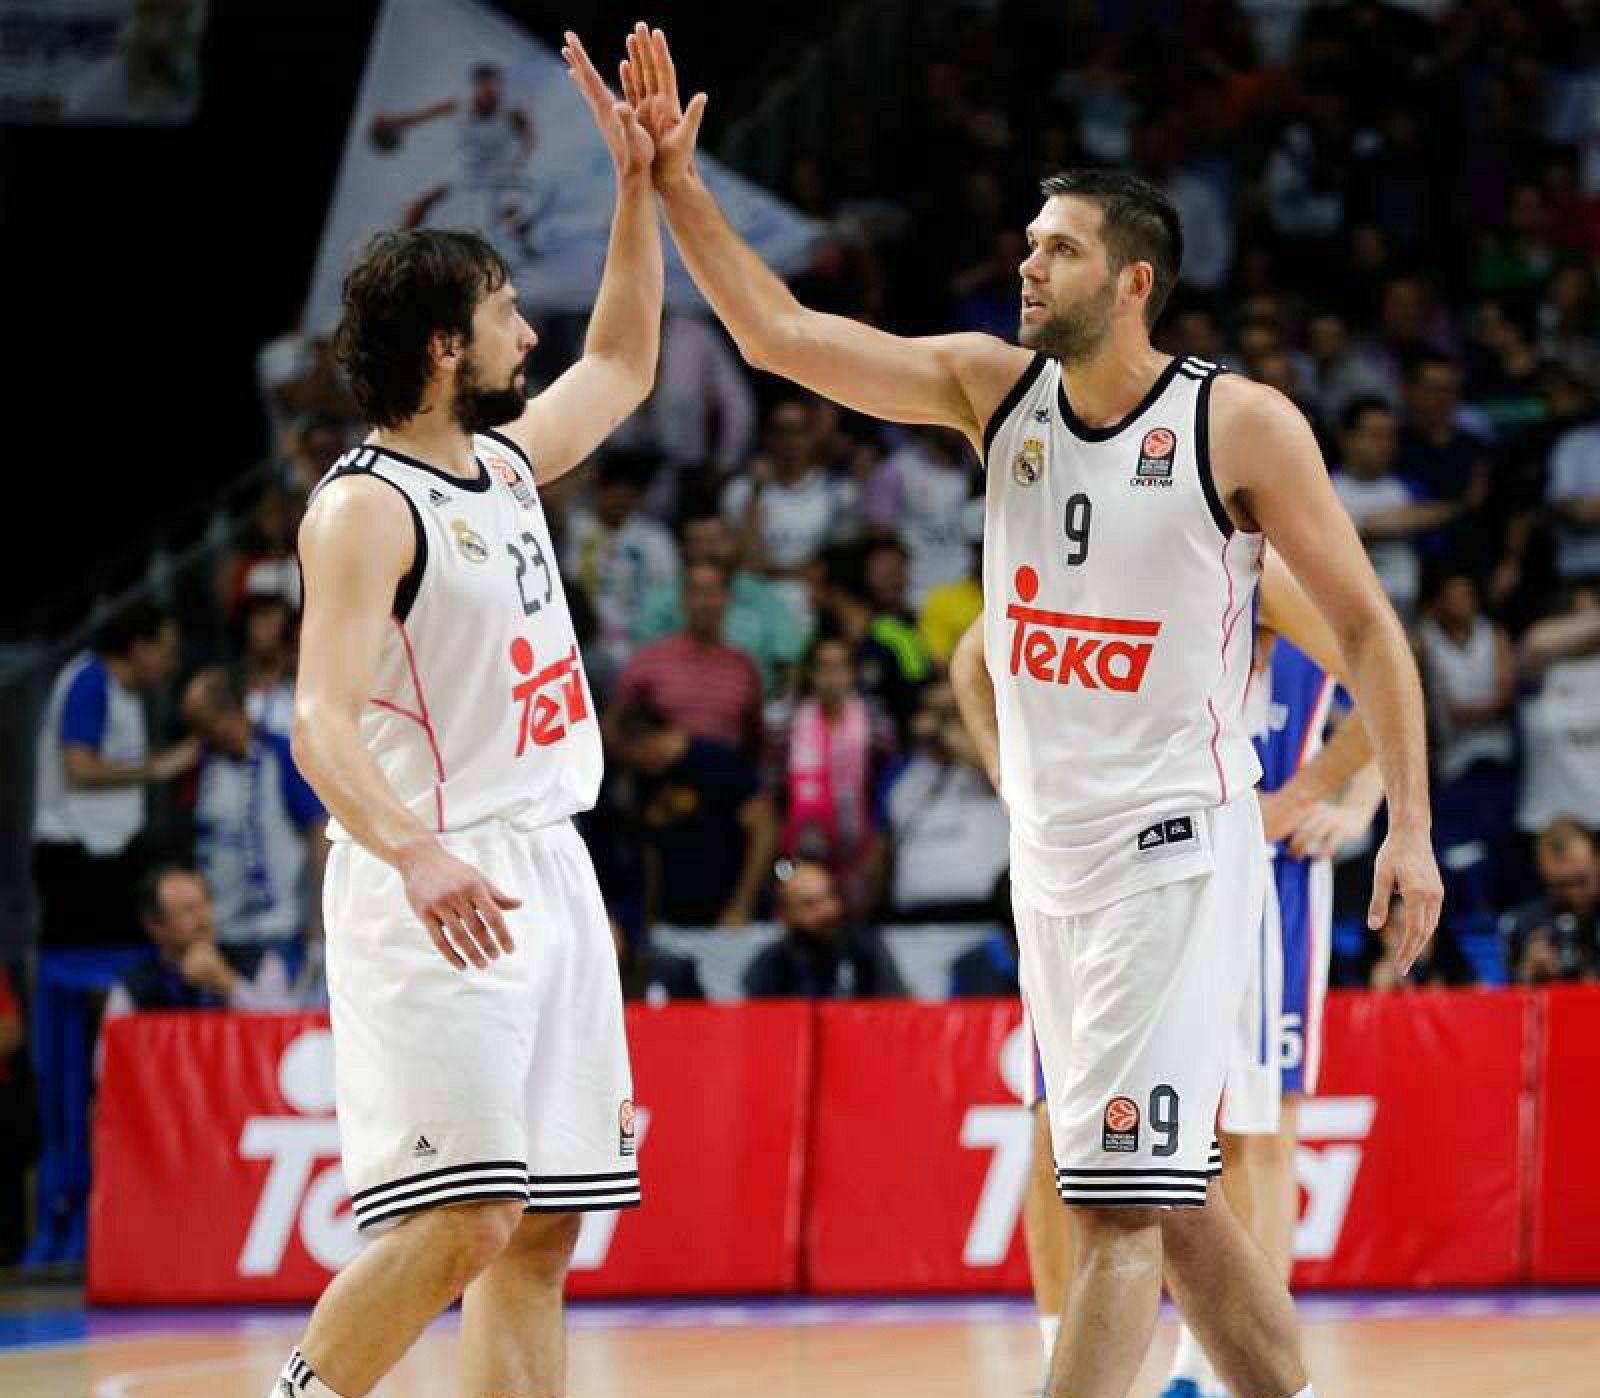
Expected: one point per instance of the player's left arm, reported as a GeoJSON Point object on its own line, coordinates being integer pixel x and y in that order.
{"type": "Point", "coordinates": [580, 409]}
{"type": "Point", "coordinates": [1270, 471]}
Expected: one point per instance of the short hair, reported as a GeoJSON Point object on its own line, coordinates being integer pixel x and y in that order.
{"type": "Point", "coordinates": [643, 718]}
{"type": "Point", "coordinates": [149, 896]}
{"type": "Point", "coordinates": [219, 689]}
{"type": "Point", "coordinates": [1564, 835]}
{"type": "Point", "coordinates": [139, 621]}
{"type": "Point", "coordinates": [1138, 224]}
{"type": "Point", "coordinates": [1358, 408]}
{"type": "Point", "coordinates": [405, 289]}
{"type": "Point", "coordinates": [1413, 364]}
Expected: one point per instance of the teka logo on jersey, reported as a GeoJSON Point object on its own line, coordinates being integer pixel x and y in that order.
{"type": "Point", "coordinates": [1065, 648]}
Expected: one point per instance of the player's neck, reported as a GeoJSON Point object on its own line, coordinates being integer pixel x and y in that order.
{"type": "Point", "coordinates": [433, 437]}
{"type": "Point", "coordinates": [1105, 388]}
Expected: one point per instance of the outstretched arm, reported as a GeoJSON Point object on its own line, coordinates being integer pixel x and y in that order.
{"type": "Point", "coordinates": [583, 407]}
{"type": "Point", "coordinates": [949, 380]}
{"type": "Point", "coordinates": [1270, 468]}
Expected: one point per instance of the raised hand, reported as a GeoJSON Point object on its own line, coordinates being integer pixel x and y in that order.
{"type": "Point", "coordinates": [632, 150]}
{"type": "Point", "coordinates": [650, 84]}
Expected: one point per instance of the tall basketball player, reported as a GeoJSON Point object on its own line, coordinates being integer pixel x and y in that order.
{"type": "Point", "coordinates": [442, 715]}
{"type": "Point", "coordinates": [1128, 499]}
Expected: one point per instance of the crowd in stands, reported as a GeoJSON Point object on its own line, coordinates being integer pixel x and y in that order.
{"type": "Point", "coordinates": [1392, 215]}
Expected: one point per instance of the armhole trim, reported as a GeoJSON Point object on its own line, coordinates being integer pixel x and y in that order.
{"type": "Point", "coordinates": [1202, 456]}
{"type": "Point", "coordinates": [1008, 404]}
{"type": "Point", "coordinates": [522, 456]}
{"type": "Point", "coordinates": [405, 592]}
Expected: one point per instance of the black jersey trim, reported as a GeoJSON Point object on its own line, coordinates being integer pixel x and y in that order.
{"type": "Point", "coordinates": [505, 441]}
{"type": "Point", "coordinates": [477, 486]}
{"type": "Point", "coordinates": [1202, 457]}
{"type": "Point", "coordinates": [1008, 404]}
{"type": "Point", "coordinates": [360, 463]}
{"type": "Point", "coordinates": [1083, 432]}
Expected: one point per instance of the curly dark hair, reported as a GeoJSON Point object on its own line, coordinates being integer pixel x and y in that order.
{"type": "Point", "coordinates": [405, 289]}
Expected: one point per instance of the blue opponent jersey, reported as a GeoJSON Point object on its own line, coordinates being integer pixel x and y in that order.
{"type": "Point", "coordinates": [1289, 733]}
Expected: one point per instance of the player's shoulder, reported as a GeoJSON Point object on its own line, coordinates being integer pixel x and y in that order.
{"type": "Point", "coordinates": [1244, 412]}
{"type": "Point", "coordinates": [353, 502]}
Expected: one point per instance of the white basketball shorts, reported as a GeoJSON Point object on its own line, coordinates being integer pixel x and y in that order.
{"type": "Point", "coordinates": [1134, 1006]}
{"type": "Point", "coordinates": [510, 1082]}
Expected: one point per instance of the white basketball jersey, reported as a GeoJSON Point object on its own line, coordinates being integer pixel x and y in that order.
{"type": "Point", "coordinates": [1117, 625]}
{"type": "Point", "coordinates": [481, 708]}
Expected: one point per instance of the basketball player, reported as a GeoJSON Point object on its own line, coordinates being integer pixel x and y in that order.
{"type": "Point", "coordinates": [1301, 776]}
{"type": "Point", "coordinates": [443, 716]}
{"type": "Point", "coordinates": [1128, 499]}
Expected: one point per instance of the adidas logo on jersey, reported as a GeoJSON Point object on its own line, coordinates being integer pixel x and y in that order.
{"type": "Point", "coordinates": [1172, 836]}
{"type": "Point", "coordinates": [437, 497]}
{"type": "Point", "coordinates": [423, 1147]}
{"type": "Point", "coordinates": [1069, 649]}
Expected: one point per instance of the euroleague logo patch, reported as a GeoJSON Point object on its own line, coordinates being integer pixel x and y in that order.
{"type": "Point", "coordinates": [1156, 454]}
{"type": "Point", "coordinates": [625, 1124]}
{"type": "Point", "coordinates": [1119, 1130]}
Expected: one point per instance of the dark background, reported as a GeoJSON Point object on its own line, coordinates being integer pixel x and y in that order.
{"type": "Point", "coordinates": [146, 266]}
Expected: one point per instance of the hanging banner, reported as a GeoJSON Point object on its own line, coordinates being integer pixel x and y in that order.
{"type": "Point", "coordinates": [466, 121]}
{"type": "Point", "coordinates": [109, 62]}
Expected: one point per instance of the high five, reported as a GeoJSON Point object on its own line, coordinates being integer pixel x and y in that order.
{"type": "Point", "coordinates": [1129, 499]}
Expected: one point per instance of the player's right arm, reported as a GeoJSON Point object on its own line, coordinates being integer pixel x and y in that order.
{"type": "Point", "coordinates": [356, 544]}
{"type": "Point", "coordinates": [947, 380]}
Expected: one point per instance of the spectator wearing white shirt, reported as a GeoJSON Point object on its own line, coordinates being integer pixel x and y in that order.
{"type": "Point", "coordinates": [618, 555]}
{"type": "Point", "coordinates": [1560, 718]}
{"type": "Point", "coordinates": [263, 638]}
{"type": "Point", "coordinates": [258, 825]}
{"type": "Point", "coordinates": [920, 493]}
{"type": "Point", "coordinates": [1387, 512]}
{"type": "Point", "coordinates": [94, 764]}
{"type": "Point", "coordinates": [1573, 494]}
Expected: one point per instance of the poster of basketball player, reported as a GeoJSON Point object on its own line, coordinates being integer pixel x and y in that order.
{"type": "Point", "coordinates": [463, 120]}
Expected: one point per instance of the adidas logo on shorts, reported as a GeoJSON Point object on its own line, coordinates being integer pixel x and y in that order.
{"type": "Point", "coordinates": [1174, 836]}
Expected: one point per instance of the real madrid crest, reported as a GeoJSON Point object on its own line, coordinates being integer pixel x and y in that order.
{"type": "Point", "coordinates": [471, 544]}
{"type": "Point", "coordinates": [1028, 464]}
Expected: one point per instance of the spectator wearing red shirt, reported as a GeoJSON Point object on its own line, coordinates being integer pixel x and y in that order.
{"type": "Point", "coordinates": [706, 687]}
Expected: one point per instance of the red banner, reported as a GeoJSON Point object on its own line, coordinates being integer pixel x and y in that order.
{"type": "Point", "coordinates": [864, 1148]}
{"type": "Point", "coordinates": [1411, 1162]}
{"type": "Point", "coordinates": [920, 1148]}
{"type": "Point", "coordinates": [219, 1130]}
{"type": "Point", "coordinates": [1565, 1216]}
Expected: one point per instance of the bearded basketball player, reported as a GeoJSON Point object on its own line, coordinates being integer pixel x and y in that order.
{"type": "Point", "coordinates": [1129, 500]}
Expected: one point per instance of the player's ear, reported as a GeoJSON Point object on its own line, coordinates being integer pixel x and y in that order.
{"type": "Point", "coordinates": [444, 349]}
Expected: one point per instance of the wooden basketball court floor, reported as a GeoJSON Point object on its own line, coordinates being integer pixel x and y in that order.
{"type": "Point", "coordinates": [1503, 1345]}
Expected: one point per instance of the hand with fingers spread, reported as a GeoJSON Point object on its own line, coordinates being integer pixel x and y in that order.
{"type": "Point", "coordinates": [650, 85]}
{"type": "Point", "coordinates": [1405, 870]}
{"type": "Point", "coordinates": [460, 908]}
{"type": "Point", "coordinates": [630, 144]}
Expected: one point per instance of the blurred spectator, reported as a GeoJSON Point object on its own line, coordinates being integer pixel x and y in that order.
{"type": "Point", "coordinates": [1436, 453]}
{"type": "Point", "coordinates": [1569, 321]}
{"type": "Point", "coordinates": [834, 752]}
{"type": "Point", "coordinates": [786, 507]}
{"type": "Point", "coordinates": [264, 641]}
{"type": "Point", "coordinates": [1517, 255]}
{"type": "Point", "coordinates": [1560, 715]}
{"type": "Point", "coordinates": [1556, 936]}
{"type": "Point", "coordinates": [948, 610]}
{"type": "Point", "coordinates": [985, 294]}
{"type": "Point", "coordinates": [1574, 497]}
{"type": "Point", "coordinates": [93, 767]}
{"type": "Point", "coordinates": [1160, 146]}
{"type": "Point", "coordinates": [187, 969]}
{"type": "Point", "coordinates": [265, 560]}
{"type": "Point", "coordinates": [651, 975]}
{"type": "Point", "coordinates": [920, 493]}
{"type": "Point", "coordinates": [762, 619]}
{"type": "Point", "coordinates": [707, 827]}
{"type": "Point", "coordinates": [299, 381]}
{"type": "Point", "coordinates": [991, 967]}
{"type": "Point", "coordinates": [949, 837]}
{"type": "Point", "coordinates": [705, 686]}
{"type": "Point", "coordinates": [259, 828]}
{"type": "Point", "coordinates": [821, 954]}
{"type": "Point", "coordinates": [312, 447]}
{"type": "Point", "coordinates": [19, 1135]}
{"type": "Point", "coordinates": [618, 555]}
{"type": "Point", "coordinates": [1386, 510]}
{"type": "Point", "coordinates": [1470, 672]}
{"type": "Point", "coordinates": [1339, 372]}
{"type": "Point", "coordinates": [865, 597]}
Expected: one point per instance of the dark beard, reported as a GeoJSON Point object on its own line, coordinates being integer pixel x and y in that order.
{"type": "Point", "coordinates": [1073, 336]}
{"type": "Point", "coordinates": [477, 409]}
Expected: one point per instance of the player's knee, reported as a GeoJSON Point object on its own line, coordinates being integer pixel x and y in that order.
{"type": "Point", "coordinates": [471, 1236]}
{"type": "Point", "coordinates": [542, 1247]}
